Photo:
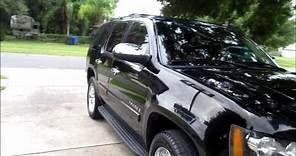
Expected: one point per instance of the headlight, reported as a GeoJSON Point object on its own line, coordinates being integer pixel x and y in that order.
{"type": "Point", "coordinates": [249, 143]}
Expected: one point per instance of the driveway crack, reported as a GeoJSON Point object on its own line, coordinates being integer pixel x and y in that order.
{"type": "Point", "coordinates": [65, 149]}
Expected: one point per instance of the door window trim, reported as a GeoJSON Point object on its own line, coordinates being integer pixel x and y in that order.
{"type": "Point", "coordinates": [149, 36]}
{"type": "Point", "coordinates": [113, 27]}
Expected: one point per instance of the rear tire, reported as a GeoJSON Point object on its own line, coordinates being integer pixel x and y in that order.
{"type": "Point", "coordinates": [172, 143]}
{"type": "Point", "coordinates": [93, 100]}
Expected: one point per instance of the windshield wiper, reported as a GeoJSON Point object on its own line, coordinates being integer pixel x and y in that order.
{"type": "Point", "coordinates": [264, 65]}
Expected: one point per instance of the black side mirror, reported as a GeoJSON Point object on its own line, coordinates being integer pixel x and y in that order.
{"type": "Point", "coordinates": [131, 52]}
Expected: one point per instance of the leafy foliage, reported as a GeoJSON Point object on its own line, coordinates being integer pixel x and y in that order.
{"type": "Point", "coordinates": [60, 16]}
{"type": "Point", "coordinates": [266, 21]}
{"type": "Point", "coordinates": [97, 9]}
{"type": "Point", "coordinates": [7, 9]}
{"type": "Point", "coordinates": [94, 11]}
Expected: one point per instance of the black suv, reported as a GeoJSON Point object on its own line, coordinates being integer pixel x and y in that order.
{"type": "Point", "coordinates": [172, 87]}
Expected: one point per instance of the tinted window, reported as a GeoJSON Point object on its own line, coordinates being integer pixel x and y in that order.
{"type": "Point", "coordinates": [186, 42]}
{"type": "Point", "coordinates": [138, 37]}
{"type": "Point", "coordinates": [117, 35]}
{"type": "Point", "coordinates": [102, 34]}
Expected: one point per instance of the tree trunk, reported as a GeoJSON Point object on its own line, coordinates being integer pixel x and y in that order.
{"type": "Point", "coordinates": [68, 28]}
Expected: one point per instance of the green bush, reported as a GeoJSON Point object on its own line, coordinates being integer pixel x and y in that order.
{"type": "Point", "coordinates": [2, 35]}
{"type": "Point", "coordinates": [60, 38]}
{"type": "Point", "coordinates": [84, 39]}
{"type": "Point", "coordinates": [3, 31]}
{"type": "Point", "coordinates": [53, 38]}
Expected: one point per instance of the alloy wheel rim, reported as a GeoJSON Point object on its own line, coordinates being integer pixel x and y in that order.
{"type": "Point", "coordinates": [161, 151]}
{"type": "Point", "coordinates": [91, 98]}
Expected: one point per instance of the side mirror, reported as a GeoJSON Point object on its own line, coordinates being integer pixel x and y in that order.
{"type": "Point", "coordinates": [131, 52]}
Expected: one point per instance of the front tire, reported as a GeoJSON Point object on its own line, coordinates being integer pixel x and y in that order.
{"type": "Point", "coordinates": [93, 100]}
{"type": "Point", "coordinates": [172, 143]}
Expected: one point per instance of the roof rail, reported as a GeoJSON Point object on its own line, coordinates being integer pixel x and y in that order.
{"type": "Point", "coordinates": [138, 15]}
{"type": "Point", "coordinates": [134, 15]}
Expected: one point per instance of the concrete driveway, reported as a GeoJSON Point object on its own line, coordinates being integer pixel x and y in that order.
{"type": "Point", "coordinates": [43, 112]}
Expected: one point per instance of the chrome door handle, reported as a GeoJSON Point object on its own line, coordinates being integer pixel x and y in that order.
{"type": "Point", "coordinates": [98, 61]}
{"type": "Point", "coordinates": [115, 71]}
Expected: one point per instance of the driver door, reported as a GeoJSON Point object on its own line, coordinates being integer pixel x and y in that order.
{"type": "Point", "coordinates": [129, 92]}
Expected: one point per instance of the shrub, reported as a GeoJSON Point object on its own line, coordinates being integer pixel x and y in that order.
{"type": "Point", "coordinates": [83, 39]}
{"type": "Point", "coordinates": [63, 38]}
{"type": "Point", "coordinates": [52, 37]}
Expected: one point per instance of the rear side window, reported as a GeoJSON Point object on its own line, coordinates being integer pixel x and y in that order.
{"type": "Point", "coordinates": [117, 35]}
{"type": "Point", "coordinates": [138, 37]}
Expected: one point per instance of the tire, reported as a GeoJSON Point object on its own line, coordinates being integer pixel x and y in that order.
{"type": "Point", "coordinates": [173, 141]}
{"type": "Point", "coordinates": [93, 100]}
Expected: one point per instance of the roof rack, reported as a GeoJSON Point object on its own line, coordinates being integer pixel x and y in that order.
{"type": "Point", "coordinates": [134, 15]}
{"type": "Point", "coordinates": [139, 15]}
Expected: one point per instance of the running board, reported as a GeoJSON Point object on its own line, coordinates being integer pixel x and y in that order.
{"type": "Point", "coordinates": [127, 135]}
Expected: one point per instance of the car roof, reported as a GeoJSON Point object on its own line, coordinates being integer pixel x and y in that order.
{"type": "Point", "coordinates": [162, 18]}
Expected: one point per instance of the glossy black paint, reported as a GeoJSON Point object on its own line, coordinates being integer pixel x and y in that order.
{"type": "Point", "coordinates": [203, 102]}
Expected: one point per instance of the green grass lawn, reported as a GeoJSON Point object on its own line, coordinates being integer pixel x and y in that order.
{"type": "Point", "coordinates": [38, 47]}
{"type": "Point", "coordinates": [286, 62]}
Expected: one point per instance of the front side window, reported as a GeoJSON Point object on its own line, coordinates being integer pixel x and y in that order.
{"type": "Point", "coordinates": [188, 43]}
{"type": "Point", "coordinates": [138, 37]}
{"type": "Point", "coordinates": [117, 35]}
{"type": "Point", "coordinates": [102, 34]}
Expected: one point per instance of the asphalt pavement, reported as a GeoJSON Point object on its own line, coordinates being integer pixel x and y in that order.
{"type": "Point", "coordinates": [43, 110]}
{"type": "Point", "coordinates": [14, 60]}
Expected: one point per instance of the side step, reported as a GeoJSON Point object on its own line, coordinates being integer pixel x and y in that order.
{"type": "Point", "coordinates": [126, 134]}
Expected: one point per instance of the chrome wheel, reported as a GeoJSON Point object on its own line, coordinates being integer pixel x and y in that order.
{"type": "Point", "coordinates": [161, 151]}
{"type": "Point", "coordinates": [91, 98]}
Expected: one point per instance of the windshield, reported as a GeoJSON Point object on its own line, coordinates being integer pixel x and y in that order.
{"type": "Point", "coordinates": [187, 43]}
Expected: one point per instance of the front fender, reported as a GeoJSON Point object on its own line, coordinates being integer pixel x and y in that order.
{"type": "Point", "coordinates": [185, 126]}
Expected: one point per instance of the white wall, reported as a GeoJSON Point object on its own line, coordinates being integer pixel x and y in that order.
{"type": "Point", "coordinates": [289, 51]}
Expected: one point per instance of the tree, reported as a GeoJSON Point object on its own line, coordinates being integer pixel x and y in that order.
{"type": "Point", "coordinates": [36, 8]}
{"type": "Point", "coordinates": [263, 20]}
{"type": "Point", "coordinates": [59, 16]}
{"type": "Point", "coordinates": [96, 11]}
{"type": "Point", "coordinates": [54, 18]}
{"type": "Point", "coordinates": [42, 11]}
{"type": "Point", "coordinates": [7, 9]}
{"type": "Point", "coordinates": [69, 13]}
{"type": "Point", "coordinates": [63, 12]}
